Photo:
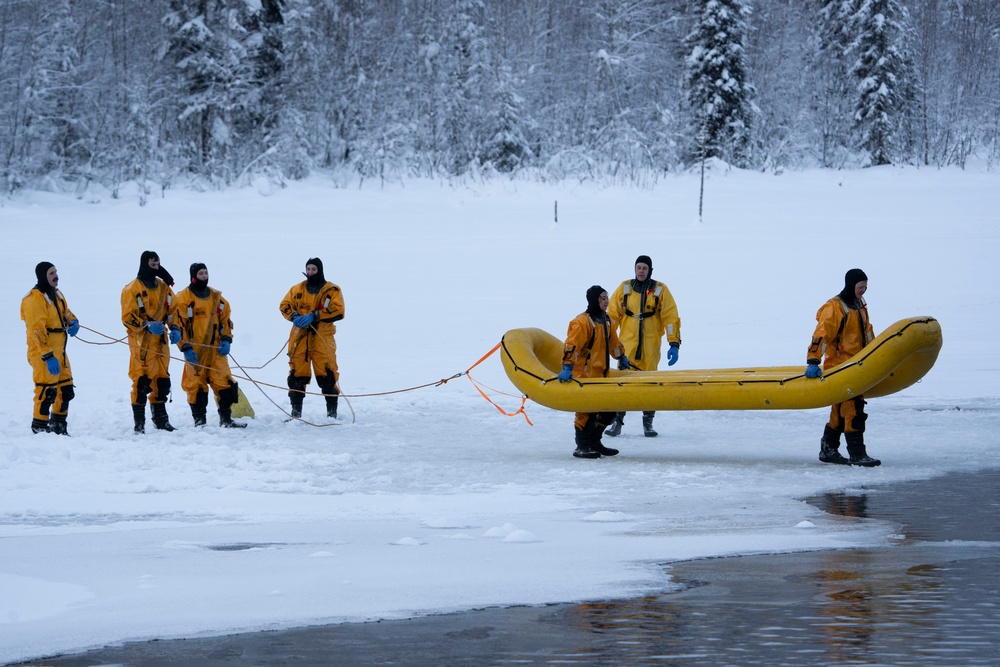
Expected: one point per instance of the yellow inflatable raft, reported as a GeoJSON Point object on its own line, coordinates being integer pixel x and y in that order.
{"type": "Point", "coordinates": [898, 357]}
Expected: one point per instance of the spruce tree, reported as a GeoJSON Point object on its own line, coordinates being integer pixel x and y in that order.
{"type": "Point", "coordinates": [299, 122]}
{"type": "Point", "coordinates": [718, 87]}
{"type": "Point", "coordinates": [466, 57]}
{"type": "Point", "coordinates": [214, 79]}
{"type": "Point", "coordinates": [882, 72]}
{"type": "Point", "coordinates": [504, 146]}
{"type": "Point", "coordinates": [831, 84]}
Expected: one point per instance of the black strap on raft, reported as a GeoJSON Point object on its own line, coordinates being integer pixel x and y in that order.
{"type": "Point", "coordinates": [503, 343]}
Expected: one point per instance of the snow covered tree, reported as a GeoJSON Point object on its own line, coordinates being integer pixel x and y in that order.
{"type": "Point", "coordinates": [718, 83]}
{"type": "Point", "coordinates": [626, 89]}
{"type": "Point", "coordinates": [44, 113]}
{"type": "Point", "coordinates": [776, 52]}
{"type": "Point", "coordinates": [958, 52]}
{"type": "Point", "coordinates": [505, 147]}
{"type": "Point", "coordinates": [208, 50]}
{"type": "Point", "coordinates": [883, 73]}
{"type": "Point", "coordinates": [466, 57]}
{"type": "Point", "coordinates": [129, 92]}
{"type": "Point", "coordinates": [265, 45]}
{"type": "Point", "coordinates": [61, 94]}
{"type": "Point", "coordinates": [830, 83]}
{"type": "Point", "coordinates": [299, 120]}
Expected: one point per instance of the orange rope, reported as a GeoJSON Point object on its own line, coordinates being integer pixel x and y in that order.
{"type": "Point", "coordinates": [259, 384]}
{"type": "Point", "coordinates": [478, 385]}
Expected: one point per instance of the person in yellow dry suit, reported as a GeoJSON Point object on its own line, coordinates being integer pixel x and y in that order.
{"type": "Point", "coordinates": [147, 305]}
{"type": "Point", "coordinates": [203, 317]}
{"type": "Point", "coordinates": [590, 341]}
{"type": "Point", "coordinates": [646, 312]}
{"type": "Point", "coordinates": [48, 321]}
{"type": "Point", "coordinates": [313, 306]}
{"type": "Point", "coordinates": [842, 330]}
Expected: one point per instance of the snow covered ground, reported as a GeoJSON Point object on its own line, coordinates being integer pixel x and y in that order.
{"type": "Point", "coordinates": [432, 500]}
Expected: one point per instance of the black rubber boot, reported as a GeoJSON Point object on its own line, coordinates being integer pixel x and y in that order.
{"type": "Point", "coordinates": [139, 416]}
{"type": "Point", "coordinates": [57, 425]}
{"type": "Point", "coordinates": [160, 419]}
{"type": "Point", "coordinates": [296, 393]}
{"type": "Point", "coordinates": [596, 430]}
{"type": "Point", "coordinates": [226, 418]}
{"type": "Point", "coordinates": [829, 447]}
{"type": "Point", "coordinates": [226, 399]}
{"type": "Point", "coordinates": [647, 425]}
{"type": "Point", "coordinates": [199, 409]}
{"type": "Point", "coordinates": [615, 429]}
{"type": "Point", "coordinates": [584, 448]}
{"type": "Point", "coordinates": [858, 452]}
{"type": "Point", "coordinates": [328, 385]}
{"type": "Point", "coordinates": [602, 450]}
{"type": "Point", "coordinates": [42, 425]}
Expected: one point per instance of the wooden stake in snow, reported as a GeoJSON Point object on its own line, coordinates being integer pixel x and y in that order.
{"type": "Point", "coordinates": [701, 192]}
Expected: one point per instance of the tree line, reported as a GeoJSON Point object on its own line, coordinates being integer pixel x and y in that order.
{"type": "Point", "coordinates": [213, 92]}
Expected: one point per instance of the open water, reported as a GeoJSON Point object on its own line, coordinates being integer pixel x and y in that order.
{"type": "Point", "coordinates": [931, 600]}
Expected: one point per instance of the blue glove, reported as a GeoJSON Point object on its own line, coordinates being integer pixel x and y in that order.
{"type": "Point", "coordinates": [672, 355]}
{"type": "Point", "coordinates": [302, 321]}
{"type": "Point", "coordinates": [52, 364]}
{"type": "Point", "coordinates": [175, 335]}
{"type": "Point", "coordinates": [566, 374]}
{"type": "Point", "coordinates": [73, 327]}
{"type": "Point", "coordinates": [813, 371]}
{"type": "Point", "coordinates": [623, 364]}
{"type": "Point", "coordinates": [155, 328]}
{"type": "Point", "coordinates": [224, 348]}
{"type": "Point", "coordinates": [190, 355]}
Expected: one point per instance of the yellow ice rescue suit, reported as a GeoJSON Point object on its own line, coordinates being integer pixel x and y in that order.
{"type": "Point", "coordinates": [841, 332]}
{"type": "Point", "coordinates": [588, 346]}
{"type": "Point", "coordinates": [312, 348]}
{"type": "Point", "coordinates": [143, 303]}
{"type": "Point", "coordinates": [46, 318]}
{"type": "Point", "coordinates": [645, 312]}
{"type": "Point", "coordinates": [203, 316]}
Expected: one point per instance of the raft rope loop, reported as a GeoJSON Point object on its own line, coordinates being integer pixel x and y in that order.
{"type": "Point", "coordinates": [479, 387]}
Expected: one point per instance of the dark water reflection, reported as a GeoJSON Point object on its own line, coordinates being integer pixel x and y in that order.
{"type": "Point", "coordinates": [931, 600]}
{"type": "Point", "coordinates": [921, 607]}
